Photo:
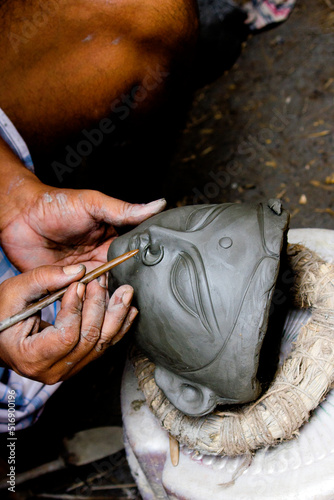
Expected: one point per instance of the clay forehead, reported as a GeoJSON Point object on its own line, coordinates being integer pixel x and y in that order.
{"type": "Point", "coordinates": [188, 218]}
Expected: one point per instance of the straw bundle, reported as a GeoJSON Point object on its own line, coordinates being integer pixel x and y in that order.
{"type": "Point", "coordinates": [299, 385]}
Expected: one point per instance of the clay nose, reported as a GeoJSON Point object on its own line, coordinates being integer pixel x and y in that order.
{"type": "Point", "coordinates": [275, 205]}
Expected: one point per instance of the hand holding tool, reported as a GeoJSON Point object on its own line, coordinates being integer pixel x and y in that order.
{"type": "Point", "coordinates": [49, 299]}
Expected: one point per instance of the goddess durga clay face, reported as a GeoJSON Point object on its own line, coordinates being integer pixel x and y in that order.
{"type": "Point", "coordinates": [203, 280]}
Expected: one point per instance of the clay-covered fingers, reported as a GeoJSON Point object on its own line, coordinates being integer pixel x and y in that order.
{"type": "Point", "coordinates": [22, 348]}
{"type": "Point", "coordinates": [118, 318]}
{"type": "Point", "coordinates": [20, 291]}
{"type": "Point", "coordinates": [129, 319]}
{"type": "Point", "coordinates": [87, 323]}
{"type": "Point", "coordinates": [92, 318]}
{"type": "Point", "coordinates": [41, 356]}
{"type": "Point", "coordinates": [118, 212]}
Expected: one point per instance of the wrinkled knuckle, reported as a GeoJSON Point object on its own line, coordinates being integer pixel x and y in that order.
{"type": "Point", "coordinates": [68, 336]}
{"type": "Point", "coordinates": [91, 334]}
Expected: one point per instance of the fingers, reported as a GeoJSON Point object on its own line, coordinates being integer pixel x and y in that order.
{"type": "Point", "coordinates": [126, 324]}
{"type": "Point", "coordinates": [83, 329]}
{"type": "Point", "coordinates": [87, 323]}
{"type": "Point", "coordinates": [36, 355]}
{"type": "Point", "coordinates": [117, 320]}
{"type": "Point", "coordinates": [92, 317]}
{"type": "Point", "coordinates": [118, 212]}
{"type": "Point", "coordinates": [137, 213]}
{"type": "Point", "coordinates": [19, 291]}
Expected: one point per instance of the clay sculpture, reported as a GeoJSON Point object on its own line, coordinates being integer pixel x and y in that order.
{"type": "Point", "coordinates": [204, 279]}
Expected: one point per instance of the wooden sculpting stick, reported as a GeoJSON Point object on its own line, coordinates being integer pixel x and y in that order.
{"type": "Point", "coordinates": [49, 299]}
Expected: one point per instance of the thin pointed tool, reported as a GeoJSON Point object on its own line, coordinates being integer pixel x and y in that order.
{"type": "Point", "coordinates": [49, 299]}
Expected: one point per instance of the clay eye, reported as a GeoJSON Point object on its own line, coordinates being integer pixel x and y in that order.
{"type": "Point", "coordinates": [182, 285]}
{"type": "Point", "coordinates": [189, 286]}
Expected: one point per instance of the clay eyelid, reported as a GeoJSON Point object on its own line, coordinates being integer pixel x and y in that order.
{"type": "Point", "coordinates": [197, 288]}
{"type": "Point", "coordinates": [206, 219]}
{"type": "Point", "coordinates": [187, 265]}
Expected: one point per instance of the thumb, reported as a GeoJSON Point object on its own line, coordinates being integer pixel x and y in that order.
{"type": "Point", "coordinates": [30, 286]}
{"type": "Point", "coordinates": [121, 213]}
{"type": "Point", "coordinates": [137, 213]}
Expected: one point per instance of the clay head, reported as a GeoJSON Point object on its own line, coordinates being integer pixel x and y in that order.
{"type": "Point", "coordinates": [203, 279]}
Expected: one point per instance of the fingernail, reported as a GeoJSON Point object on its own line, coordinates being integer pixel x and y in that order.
{"type": "Point", "coordinates": [157, 205]}
{"type": "Point", "coordinates": [132, 314]}
{"type": "Point", "coordinates": [102, 280]}
{"type": "Point", "coordinates": [81, 290]}
{"type": "Point", "coordinates": [100, 347]}
{"type": "Point", "coordinates": [126, 298]}
{"type": "Point", "coordinates": [73, 269]}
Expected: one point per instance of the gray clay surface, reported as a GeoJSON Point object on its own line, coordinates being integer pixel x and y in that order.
{"type": "Point", "coordinates": [204, 278]}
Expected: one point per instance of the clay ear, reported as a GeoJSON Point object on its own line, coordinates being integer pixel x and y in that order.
{"type": "Point", "coordinates": [190, 398]}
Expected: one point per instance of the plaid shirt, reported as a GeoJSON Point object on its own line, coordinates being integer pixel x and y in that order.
{"type": "Point", "coordinates": [30, 396]}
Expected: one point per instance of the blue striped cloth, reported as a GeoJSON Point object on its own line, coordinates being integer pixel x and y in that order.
{"type": "Point", "coordinates": [30, 396]}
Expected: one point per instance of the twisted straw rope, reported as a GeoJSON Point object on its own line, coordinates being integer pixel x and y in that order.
{"type": "Point", "coordinates": [300, 384]}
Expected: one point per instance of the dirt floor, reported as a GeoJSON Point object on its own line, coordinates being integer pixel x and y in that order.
{"type": "Point", "coordinates": [263, 129]}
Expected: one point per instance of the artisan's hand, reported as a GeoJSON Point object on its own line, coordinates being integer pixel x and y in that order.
{"type": "Point", "coordinates": [42, 225]}
{"type": "Point", "coordinates": [65, 226]}
{"type": "Point", "coordinates": [82, 330]}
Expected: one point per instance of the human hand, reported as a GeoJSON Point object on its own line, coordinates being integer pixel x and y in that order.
{"type": "Point", "coordinates": [46, 225]}
{"type": "Point", "coordinates": [83, 329]}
